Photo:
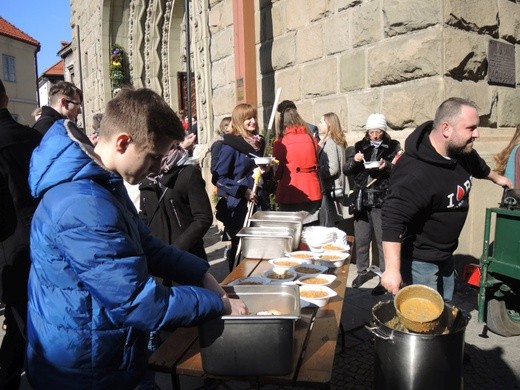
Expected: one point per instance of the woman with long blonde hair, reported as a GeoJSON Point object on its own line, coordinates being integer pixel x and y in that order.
{"type": "Point", "coordinates": [331, 160]}
{"type": "Point", "coordinates": [233, 174]}
{"type": "Point", "coordinates": [507, 162]}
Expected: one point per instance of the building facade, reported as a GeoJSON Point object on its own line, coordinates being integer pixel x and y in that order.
{"type": "Point", "coordinates": [18, 71]}
{"type": "Point", "coordinates": [351, 57]}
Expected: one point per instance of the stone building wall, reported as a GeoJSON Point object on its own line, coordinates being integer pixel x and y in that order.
{"type": "Point", "coordinates": [352, 57]}
{"type": "Point", "coordinates": [400, 57]}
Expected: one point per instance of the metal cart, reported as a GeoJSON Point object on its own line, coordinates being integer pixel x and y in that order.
{"type": "Point", "coordinates": [499, 293]}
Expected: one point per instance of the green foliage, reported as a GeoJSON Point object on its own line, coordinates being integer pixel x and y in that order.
{"type": "Point", "coordinates": [117, 67]}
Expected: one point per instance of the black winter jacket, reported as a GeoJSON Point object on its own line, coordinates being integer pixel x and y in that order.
{"type": "Point", "coordinates": [386, 151]}
{"type": "Point", "coordinates": [427, 201]}
{"type": "Point", "coordinates": [17, 206]}
{"type": "Point", "coordinates": [47, 119]}
{"type": "Point", "coordinates": [185, 213]}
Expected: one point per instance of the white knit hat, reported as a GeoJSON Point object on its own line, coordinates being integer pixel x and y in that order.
{"type": "Point", "coordinates": [376, 121]}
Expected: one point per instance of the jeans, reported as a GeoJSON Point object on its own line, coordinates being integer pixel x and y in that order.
{"type": "Point", "coordinates": [438, 275]}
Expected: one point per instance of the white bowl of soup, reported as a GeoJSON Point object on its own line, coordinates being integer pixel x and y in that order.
{"type": "Point", "coordinates": [316, 295]}
{"type": "Point", "coordinates": [302, 255]}
{"type": "Point", "coordinates": [287, 262]}
{"type": "Point", "coordinates": [318, 280]}
{"type": "Point", "coordinates": [279, 275]}
{"type": "Point", "coordinates": [308, 269]}
{"type": "Point", "coordinates": [332, 259]}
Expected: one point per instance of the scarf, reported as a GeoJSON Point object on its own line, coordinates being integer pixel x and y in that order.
{"type": "Point", "coordinates": [255, 141]}
{"type": "Point", "coordinates": [176, 156]}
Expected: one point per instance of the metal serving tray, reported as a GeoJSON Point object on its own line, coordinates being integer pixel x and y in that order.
{"type": "Point", "coordinates": [253, 344]}
{"type": "Point", "coordinates": [288, 219]}
{"type": "Point", "coordinates": [262, 242]}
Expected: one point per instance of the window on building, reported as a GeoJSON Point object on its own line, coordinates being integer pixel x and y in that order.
{"type": "Point", "coordinates": [8, 63]}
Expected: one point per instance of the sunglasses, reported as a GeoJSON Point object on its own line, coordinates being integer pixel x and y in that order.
{"type": "Point", "coordinates": [73, 102]}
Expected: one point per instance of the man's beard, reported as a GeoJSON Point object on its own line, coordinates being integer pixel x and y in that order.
{"type": "Point", "coordinates": [455, 150]}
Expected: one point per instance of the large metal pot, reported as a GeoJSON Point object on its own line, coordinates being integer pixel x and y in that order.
{"type": "Point", "coordinates": [417, 361]}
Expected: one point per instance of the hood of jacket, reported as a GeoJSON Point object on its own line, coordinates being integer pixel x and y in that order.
{"type": "Point", "coordinates": [64, 155]}
{"type": "Point", "coordinates": [418, 146]}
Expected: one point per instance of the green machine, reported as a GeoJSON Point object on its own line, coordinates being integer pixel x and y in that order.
{"type": "Point", "coordinates": [499, 293]}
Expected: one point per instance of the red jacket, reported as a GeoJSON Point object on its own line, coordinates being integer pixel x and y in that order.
{"type": "Point", "coordinates": [297, 175]}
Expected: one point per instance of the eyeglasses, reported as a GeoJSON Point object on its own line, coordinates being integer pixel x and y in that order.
{"type": "Point", "coordinates": [375, 131]}
{"type": "Point", "coordinates": [73, 102]}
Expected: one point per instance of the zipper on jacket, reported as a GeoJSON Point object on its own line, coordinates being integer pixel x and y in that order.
{"type": "Point", "coordinates": [176, 215]}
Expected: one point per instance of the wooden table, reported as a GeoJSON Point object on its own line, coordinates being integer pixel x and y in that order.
{"type": "Point", "coordinates": [316, 335]}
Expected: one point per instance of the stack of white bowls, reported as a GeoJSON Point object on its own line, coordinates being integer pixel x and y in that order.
{"type": "Point", "coordinates": [318, 236]}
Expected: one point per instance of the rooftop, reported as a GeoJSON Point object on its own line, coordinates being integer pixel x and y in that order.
{"type": "Point", "coordinates": [11, 31]}
{"type": "Point", "coordinates": [55, 70]}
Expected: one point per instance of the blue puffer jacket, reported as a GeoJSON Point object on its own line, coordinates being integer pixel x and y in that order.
{"type": "Point", "coordinates": [92, 301]}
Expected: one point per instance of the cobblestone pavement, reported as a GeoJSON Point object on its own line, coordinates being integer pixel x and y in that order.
{"type": "Point", "coordinates": [491, 361]}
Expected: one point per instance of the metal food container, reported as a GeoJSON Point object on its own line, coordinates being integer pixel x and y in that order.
{"type": "Point", "coordinates": [288, 219]}
{"type": "Point", "coordinates": [253, 344]}
{"type": "Point", "coordinates": [266, 242]}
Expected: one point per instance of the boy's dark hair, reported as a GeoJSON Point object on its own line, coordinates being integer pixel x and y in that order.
{"type": "Point", "coordinates": [144, 115]}
{"type": "Point", "coordinates": [64, 88]}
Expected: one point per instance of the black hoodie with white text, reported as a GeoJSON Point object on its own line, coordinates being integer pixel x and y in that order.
{"type": "Point", "coordinates": [427, 203]}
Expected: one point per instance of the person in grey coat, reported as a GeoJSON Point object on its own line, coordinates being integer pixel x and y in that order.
{"type": "Point", "coordinates": [334, 183]}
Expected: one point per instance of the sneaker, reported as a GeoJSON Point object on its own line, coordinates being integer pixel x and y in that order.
{"type": "Point", "coordinates": [361, 279]}
{"type": "Point", "coordinates": [378, 290]}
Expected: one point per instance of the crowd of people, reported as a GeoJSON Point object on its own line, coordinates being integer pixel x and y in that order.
{"type": "Point", "coordinates": [102, 244]}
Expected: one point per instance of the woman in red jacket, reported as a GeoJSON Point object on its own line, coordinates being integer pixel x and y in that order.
{"type": "Point", "coordinates": [297, 174]}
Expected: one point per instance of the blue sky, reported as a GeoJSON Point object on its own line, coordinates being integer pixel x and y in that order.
{"type": "Point", "coordinates": [47, 21]}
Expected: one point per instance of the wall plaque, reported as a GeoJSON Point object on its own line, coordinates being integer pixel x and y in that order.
{"type": "Point", "coordinates": [501, 63]}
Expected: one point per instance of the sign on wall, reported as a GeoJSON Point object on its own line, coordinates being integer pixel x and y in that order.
{"type": "Point", "coordinates": [501, 63]}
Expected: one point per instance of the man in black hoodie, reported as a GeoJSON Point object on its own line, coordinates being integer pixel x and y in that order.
{"type": "Point", "coordinates": [427, 203]}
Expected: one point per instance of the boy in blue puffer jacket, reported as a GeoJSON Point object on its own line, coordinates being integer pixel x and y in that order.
{"type": "Point", "coordinates": [92, 298]}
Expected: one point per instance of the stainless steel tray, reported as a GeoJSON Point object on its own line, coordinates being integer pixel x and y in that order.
{"type": "Point", "coordinates": [287, 219]}
{"type": "Point", "coordinates": [253, 345]}
{"type": "Point", "coordinates": [260, 298]}
{"type": "Point", "coordinates": [266, 242]}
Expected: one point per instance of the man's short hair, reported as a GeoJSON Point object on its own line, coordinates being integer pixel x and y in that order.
{"type": "Point", "coordinates": [144, 115]}
{"type": "Point", "coordinates": [64, 88]}
{"type": "Point", "coordinates": [449, 110]}
{"type": "Point", "coordinates": [284, 105]}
